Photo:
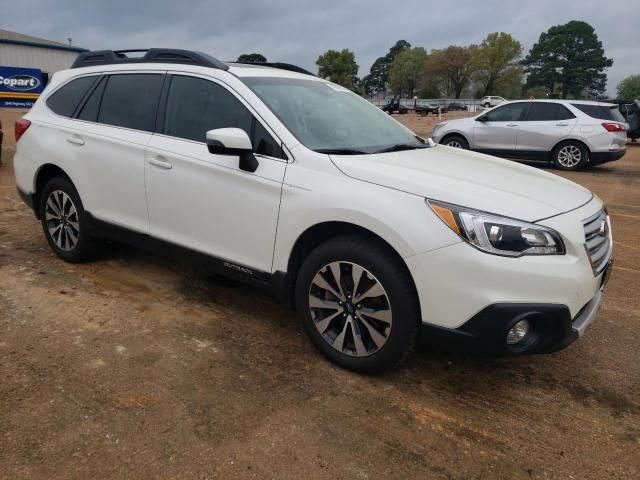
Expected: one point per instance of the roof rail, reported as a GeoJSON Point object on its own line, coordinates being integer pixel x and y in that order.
{"type": "Point", "coordinates": [152, 55]}
{"type": "Point", "coordinates": [280, 65]}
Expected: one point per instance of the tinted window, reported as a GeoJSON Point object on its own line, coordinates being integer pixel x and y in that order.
{"type": "Point", "coordinates": [131, 101]}
{"type": "Point", "coordinates": [65, 100]}
{"type": "Point", "coordinates": [507, 113]}
{"type": "Point", "coordinates": [542, 111]}
{"type": "Point", "coordinates": [601, 112]}
{"type": "Point", "coordinates": [90, 109]}
{"type": "Point", "coordinates": [264, 143]}
{"type": "Point", "coordinates": [196, 105]}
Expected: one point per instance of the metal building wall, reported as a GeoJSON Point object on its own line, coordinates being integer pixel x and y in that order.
{"type": "Point", "coordinates": [46, 59]}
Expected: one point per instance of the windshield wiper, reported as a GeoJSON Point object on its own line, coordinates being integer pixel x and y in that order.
{"type": "Point", "coordinates": [400, 146]}
{"type": "Point", "coordinates": [341, 151]}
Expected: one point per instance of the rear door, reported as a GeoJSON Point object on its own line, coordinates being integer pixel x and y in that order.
{"type": "Point", "coordinates": [497, 130]}
{"type": "Point", "coordinates": [113, 128]}
{"type": "Point", "coordinates": [545, 124]}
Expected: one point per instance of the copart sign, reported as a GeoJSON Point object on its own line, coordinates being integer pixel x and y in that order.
{"type": "Point", "coordinates": [19, 87]}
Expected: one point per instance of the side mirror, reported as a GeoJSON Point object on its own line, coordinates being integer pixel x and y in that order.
{"type": "Point", "coordinates": [233, 141]}
{"type": "Point", "coordinates": [482, 118]}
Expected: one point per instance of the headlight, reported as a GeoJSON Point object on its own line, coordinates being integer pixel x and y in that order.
{"type": "Point", "coordinates": [498, 235]}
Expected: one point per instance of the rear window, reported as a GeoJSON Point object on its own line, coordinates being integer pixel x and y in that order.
{"type": "Point", "coordinates": [131, 101]}
{"type": "Point", "coordinates": [601, 112]}
{"type": "Point", "coordinates": [65, 100]}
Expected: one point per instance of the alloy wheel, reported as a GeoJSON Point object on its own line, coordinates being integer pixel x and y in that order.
{"type": "Point", "coordinates": [454, 144]}
{"type": "Point", "coordinates": [569, 156]}
{"type": "Point", "coordinates": [350, 309]}
{"type": "Point", "coordinates": [61, 217]}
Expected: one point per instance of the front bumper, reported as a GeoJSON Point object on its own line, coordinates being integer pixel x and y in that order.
{"type": "Point", "coordinates": [551, 328]}
{"type": "Point", "coordinates": [474, 298]}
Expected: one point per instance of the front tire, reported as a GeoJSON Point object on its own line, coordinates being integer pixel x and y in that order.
{"type": "Point", "coordinates": [64, 221]}
{"type": "Point", "coordinates": [456, 141]}
{"type": "Point", "coordinates": [570, 155]}
{"type": "Point", "coordinates": [487, 105]}
{"type": "Point", "coordinates": [358, 304]}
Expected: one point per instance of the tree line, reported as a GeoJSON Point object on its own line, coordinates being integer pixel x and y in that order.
{"type": "Point", "coordinates": [567, 61]}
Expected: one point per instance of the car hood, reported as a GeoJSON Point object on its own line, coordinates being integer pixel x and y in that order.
{"type": "Point", "coordinates": [469, 179]}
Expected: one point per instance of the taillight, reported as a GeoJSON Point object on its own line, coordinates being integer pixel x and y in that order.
{"type": "Point", "coordinates": [21, 127]}
{"type": "Point", "coordinates": [613, 127]}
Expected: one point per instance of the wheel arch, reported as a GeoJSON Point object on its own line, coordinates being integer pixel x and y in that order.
{"type": "Point", "coordinates": [314, 236]}
{"type": "Point", "coordinates": [42, 176]}
{"type": "Point", "coordinates": [455, 134]}
{"type": "Point", "coordinates": [571, 139]}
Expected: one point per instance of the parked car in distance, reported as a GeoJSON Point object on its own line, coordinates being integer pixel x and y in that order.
{"type": "Point", "coordinates": [491, 101]}
{"type": "Point", "coordinates": [394, 106]}
{"type": "Point", "coordinates": [301, 187]}
{"type": "Point", "coordinates": [427, 108]}
{"type": "Point", "coordinates": [570, 134]}
{"type": "Point", "coordinates": [456, 106]}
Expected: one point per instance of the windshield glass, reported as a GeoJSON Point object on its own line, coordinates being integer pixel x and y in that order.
{"type": "Point", "coordinates": [329, 118]}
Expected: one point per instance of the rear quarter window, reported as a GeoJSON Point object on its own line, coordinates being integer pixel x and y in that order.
{"type": "Point", "coordinates": [601, 112]}
{"type": "Point", "coordinates": [65, 100]}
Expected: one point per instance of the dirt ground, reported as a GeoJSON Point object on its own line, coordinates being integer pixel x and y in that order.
{"type": "Point", "coordinates": [135, 367]}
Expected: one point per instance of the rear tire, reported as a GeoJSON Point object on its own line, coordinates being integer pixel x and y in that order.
{"type": "Point", "coordinates": [487, 105]}
{"type": "Point", "coordinates": [456, 141]}
{"type": "Point", "coordinates": [64, 221]}
{"type": "Point", "coordinates": [370, 328]}
{"type": "Point", "coordinates": [570, 155]}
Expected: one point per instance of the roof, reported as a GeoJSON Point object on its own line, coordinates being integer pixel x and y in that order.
{"type": "Point", "coordinates": [15, 38]}
{"type": "Point", "coordinates": [564, 101]}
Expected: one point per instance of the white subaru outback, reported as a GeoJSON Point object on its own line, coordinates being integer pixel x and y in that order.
{"type": "Point", "coordinates": [297, 185]}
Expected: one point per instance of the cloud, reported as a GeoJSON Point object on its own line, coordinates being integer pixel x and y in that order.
{"type": "Point", "coordinates": [298, 31]}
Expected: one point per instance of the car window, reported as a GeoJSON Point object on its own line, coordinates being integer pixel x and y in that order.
{"type": "Point", "coordinates": [196, 105]}
{"type": "Point", "coordinates": [507, 113]}
{"type": "Point", "coordinates": [601, 112]}
{"type": "Point", "coordinates": [543, 111]}
{"type": "Point", "coordinates": [131, 101]}
{"type": "Point", "coordinates": [329, 118]}
{"type": "Point", "coordinates": [65, 100]}
{"type": "Point", "coordinates": [91, 107]}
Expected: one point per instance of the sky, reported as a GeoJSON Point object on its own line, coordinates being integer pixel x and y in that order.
{"type": "Point", "coordinates": [298, 31]}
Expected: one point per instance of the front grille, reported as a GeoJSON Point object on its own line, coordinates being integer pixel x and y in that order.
{"type": "Point", "coordinates": [598, 241]}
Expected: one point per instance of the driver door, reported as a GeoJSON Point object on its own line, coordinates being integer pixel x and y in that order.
{"type": "Point", "coordinates": [497, 130]}
{"type": "Point", "coordinates": [204, 201]}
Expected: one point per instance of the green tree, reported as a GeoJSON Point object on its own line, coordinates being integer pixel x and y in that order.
{"type": "Point", "coordinates": [378, 76]}
{"type": "Point", "coordinates": [453, 66]}
{"type": "Point", "coordinates": [629, 88]}
{"type": "Point", "coordinates": [252, 57]}
{"type": "Point", "coordinates": [339, 67]}
{"type": "Point", "coordinates": [569, 55]}
{"type": "Point", "coordinates": [407, 71]}
{"type": "Point", "coordinates": [496, 57]}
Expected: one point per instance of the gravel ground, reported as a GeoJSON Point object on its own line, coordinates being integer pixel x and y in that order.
{"type": "Point", "coordinates": [135, 367]}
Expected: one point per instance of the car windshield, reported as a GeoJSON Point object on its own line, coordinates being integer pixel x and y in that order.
{"type": "Point", "coordinates": [329, 118]}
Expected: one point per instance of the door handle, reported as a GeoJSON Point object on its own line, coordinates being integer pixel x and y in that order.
{"type": "Point", "coordinates": [160, 162]}
{"type": "Point", "coordinates": [562, 124]}
{"type": "Point", "coordinates": [75, 140]}
{"type": "Point", "coordinates": [512, 124]}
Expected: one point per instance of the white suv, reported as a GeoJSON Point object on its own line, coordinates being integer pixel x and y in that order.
{"type": "Point", "coordinates": [571, 134]}
{"type": "Point", "coordinates": [300, 186]}
{"type": "Point", "coordinates": [491, 101]}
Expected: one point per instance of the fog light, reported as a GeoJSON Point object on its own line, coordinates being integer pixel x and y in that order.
{"type": "Point", "coordinates": [518, 332]}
